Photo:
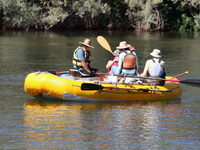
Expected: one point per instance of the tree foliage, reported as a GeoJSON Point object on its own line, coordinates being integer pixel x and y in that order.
{"type": "Point", "coordinates": [140, 15]}
{"type": "Point", "coordinates": [88, 11]}
{"type": "Point", "coordinates": [117, 17]}
{"type": "Point", "coordinates": [190, 18]}
{"type": "Point", "coordinates": [144, 14]}
{"type": "Point", "coordinates": [52, 13]}
{"type": "Point", "coordinates": [19, 14]}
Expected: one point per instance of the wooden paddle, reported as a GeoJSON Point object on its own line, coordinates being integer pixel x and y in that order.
{"type": "Point", "coordinates": [103, 42]}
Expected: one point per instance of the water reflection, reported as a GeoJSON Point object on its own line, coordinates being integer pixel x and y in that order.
{"type": "Point", "coordinates": [106, 123]}
{"type": "Point", "coordinates": [44, 122]}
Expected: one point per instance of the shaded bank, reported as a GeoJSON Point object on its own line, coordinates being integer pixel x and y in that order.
{"type": "Point", "coordinates": [144, 15]}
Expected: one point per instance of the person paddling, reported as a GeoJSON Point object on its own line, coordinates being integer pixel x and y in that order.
{"type": "Point", "coordinates": [113, 63]}
{"type": "Point", "coordinates": [155, 68]}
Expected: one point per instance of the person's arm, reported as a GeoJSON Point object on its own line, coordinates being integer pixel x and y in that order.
{"type": "Point", "coordinates": [83, 63]}
{"type": "Point", "coordinates": [146, 68]}
{"type": "Point", "coordinates": [162, 63]}
{"type": "Point", "coordinates": [80, 56]}
{"type": "Point", "coordinates": [137, 65]}
{"type": "Point", "coordinates": [111, 62]}
{"type": "Point", "coordinates": [119, 68]}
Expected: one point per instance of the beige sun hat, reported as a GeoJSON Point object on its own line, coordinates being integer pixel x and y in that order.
{"type": "Point", "coordinates": [156, 53]}
{"type": "Point", "coordinates": [123, 45]}
{"type": "Point", "coordinates": [87, 42]}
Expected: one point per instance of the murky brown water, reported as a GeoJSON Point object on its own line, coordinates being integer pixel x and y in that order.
{"type": "Point", "coordinates": [28, 123]}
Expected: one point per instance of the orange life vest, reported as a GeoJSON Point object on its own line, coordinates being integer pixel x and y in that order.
{"type": "Point", "coordinates": [129, 61]}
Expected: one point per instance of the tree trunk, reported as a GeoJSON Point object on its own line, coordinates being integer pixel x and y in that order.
{"type": "Point", "coordinates": [1, 19]}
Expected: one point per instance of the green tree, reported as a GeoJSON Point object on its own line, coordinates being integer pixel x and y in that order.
{"type": "Point", "coordinates": [19, 14]}
{"type": "Point", "coordinates": [24, 14]}
{"type": "Point", "coordinates": [53, 12]}
{"type": "Point", "coordinates": [145, 15]}
{"type": "Point", "coordinates": [171, 14]}
{"type": "Point", "coordinates": [117, 18]}
{"type": "Point", "coordinates": [89, 11]}
{"type": "Point", "coordinates": [1, 14]}
{"type": "Point", "coordinates": [142, 15]}
{"type": "Point", "coordinates": [190, 17]}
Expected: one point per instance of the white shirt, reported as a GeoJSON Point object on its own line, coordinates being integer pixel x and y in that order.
{"type": "Point", "coordinates": [149, 64]}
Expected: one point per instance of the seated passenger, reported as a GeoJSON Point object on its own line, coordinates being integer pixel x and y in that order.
{"type": "Point", "coordinates": [113, 63]}
{"type": "Point", "coordinates": [155, 68]}
{"type": "Point", "coordinates": [112, 66]}
{"type": "Point", "coordinates": [128, 63]}
{"type": "Point", "coordinates": [81, 59]}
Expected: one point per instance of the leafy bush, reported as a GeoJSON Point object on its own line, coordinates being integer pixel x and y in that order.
{"type": "Point", "coordinates": [19, 14]}
{"type": "Point", "coordinates": [88, 11]}
{"type": "Point", "coordinates": [144, 15]}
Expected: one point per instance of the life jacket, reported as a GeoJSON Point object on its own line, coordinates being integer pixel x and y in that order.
{"type": "Point", "coordinates": [77, 62]}
{"type": "Point", "coordinates": [156, 70]}
{"type": "Point", "coordinates": [129, 60]}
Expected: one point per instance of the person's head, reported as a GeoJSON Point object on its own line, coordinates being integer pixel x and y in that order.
{"type": "Point", "coordinates": [123, 46]}
{"type": "Point", "coordinates": [156, 53]}
{"type": "Point", "coordinates": [86, 44]}
{"type": "Point", "coordinates": [116, 53]}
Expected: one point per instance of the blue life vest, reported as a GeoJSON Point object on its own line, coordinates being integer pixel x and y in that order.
{"type": "Point", "coordinates": [156, 69]}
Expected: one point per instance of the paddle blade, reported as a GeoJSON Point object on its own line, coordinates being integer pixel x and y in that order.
{"type": "Point", "coordinates": [90, 86]}
{"type": "Point", "coordinates": [103, 42]}
{"type": "Point", "coordinates": [191, 82]}
{"type": "Point", "coordinates": [52, 72]}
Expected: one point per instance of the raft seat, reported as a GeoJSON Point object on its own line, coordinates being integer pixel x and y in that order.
{"type": "Point", "coordinates": [74, 73]}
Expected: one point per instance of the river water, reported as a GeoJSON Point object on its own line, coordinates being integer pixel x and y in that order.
{"type": "Point", "coordinates": [28, 123]}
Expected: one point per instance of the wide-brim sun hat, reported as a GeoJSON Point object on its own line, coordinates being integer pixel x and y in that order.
{"type": "Point", "coordinates": [156, 53]}
{"type": "Point", "coordinates": [123, 45]}
{"type": "Point", "coordinates": [87, 42]}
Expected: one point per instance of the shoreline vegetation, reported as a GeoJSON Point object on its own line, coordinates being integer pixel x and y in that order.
{"type": "Point", "coordinates": [133, 15]}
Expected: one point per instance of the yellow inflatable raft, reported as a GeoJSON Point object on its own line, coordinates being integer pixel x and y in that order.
{"type": "Point", "coordinates": [91, 88]}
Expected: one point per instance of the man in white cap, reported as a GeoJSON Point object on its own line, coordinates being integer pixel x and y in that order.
{"type": "Point", "coordinates": [155, 68]}
{"type": "Point", "coordinates": [81, 58]}
{"type": "Point", "coordinates": [128, 62]}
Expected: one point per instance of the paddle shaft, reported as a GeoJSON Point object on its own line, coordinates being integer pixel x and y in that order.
{"type": "Point", "coordinates": [57, 73]}
{"type": "Point", "coordinates": [179, 75]}
{"type": "Point", "coordinates": [191, 82]}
